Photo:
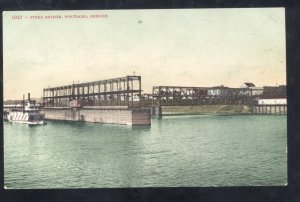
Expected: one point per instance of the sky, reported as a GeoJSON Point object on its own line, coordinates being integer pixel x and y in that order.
{"type": "Point", "coordinates": [182, 47]}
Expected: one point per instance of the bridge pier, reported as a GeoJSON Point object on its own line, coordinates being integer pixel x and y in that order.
{"type": "Point", "coordinates": [156, 111]}
{"type": "Point", "coordinates": [105, 114]}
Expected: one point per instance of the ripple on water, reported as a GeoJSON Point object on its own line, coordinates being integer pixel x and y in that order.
{"type": "Point", "coordinates": [175, 151]}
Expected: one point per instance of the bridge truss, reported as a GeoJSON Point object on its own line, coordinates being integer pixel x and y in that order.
{"type": "Point", "coordinates": [123, 91]}
{"type": "Point", "coordinates": [183, 96]}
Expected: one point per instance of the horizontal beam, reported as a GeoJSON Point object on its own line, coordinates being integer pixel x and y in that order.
{"type": "Point", "coordinates": [205, 88]}
{"type": "Point", "coordinates": [94, 94]}
{"type": "Point", "coordinates": [129, 78]}
{"type": "Point", "coordinates": [179, 87]}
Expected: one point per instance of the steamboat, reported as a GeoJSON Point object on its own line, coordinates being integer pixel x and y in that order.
{"type": "Point", "coordinates": [29, 113]}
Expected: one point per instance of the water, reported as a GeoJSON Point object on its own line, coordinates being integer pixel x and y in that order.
{"type": "Point", "coordinates": [176, 151]}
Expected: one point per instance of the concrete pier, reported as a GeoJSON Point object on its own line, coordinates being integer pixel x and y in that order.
{"type": "Point", "coordinates": [114, 114]}
{"type": "Point", "coordinates": [206, 109]}
{"type": "Point", "coordinates": [156, 111]}
{"type": "Point", "coordinates": [270, 109]}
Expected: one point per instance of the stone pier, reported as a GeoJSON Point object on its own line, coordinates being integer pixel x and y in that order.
{"type": "Point", "coordinates": [112, 114]}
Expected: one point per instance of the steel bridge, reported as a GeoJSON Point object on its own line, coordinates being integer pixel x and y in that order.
{"type": "Point", "coordinates": [123, 91]}
{"type": "Point", "coordinates": [126, 91]}
{"type": "Point", "coordinates": [184, 96]}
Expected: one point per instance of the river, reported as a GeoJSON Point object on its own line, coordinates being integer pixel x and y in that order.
{"type": "Point", "coordinates": [175, 151]}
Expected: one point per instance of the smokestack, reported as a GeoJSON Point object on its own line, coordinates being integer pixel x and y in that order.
{"type": "Point", "coordinates": [29, 96]}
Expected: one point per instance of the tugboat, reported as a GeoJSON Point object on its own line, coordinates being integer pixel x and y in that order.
{"type": "Point", "coordinates": [30, 114]}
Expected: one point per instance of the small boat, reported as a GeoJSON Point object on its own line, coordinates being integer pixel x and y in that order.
{"type": "Point", "coordinates": [36, 123]}
{"type": "Point", "coordinates": [30, 114]}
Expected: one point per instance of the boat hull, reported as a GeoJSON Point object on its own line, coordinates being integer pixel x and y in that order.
{"type": "Point", "coordinates": [30, 118]}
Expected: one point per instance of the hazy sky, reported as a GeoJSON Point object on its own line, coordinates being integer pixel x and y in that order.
{"type": "Point", "coordinates": [188, 47]}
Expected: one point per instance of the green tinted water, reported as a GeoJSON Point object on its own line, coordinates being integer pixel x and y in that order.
{"type": "Point", "coordinates": [193, 151]}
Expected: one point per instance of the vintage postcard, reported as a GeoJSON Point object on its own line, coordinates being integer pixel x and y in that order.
{"type": "Point", "coordinates": [144, 98]}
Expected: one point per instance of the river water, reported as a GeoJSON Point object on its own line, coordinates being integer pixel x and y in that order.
{"type": "Point", "coordinates": [176, 151]}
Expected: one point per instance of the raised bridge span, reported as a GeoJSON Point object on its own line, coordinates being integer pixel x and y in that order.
{"type": "Point", "coordinates": [122, 91]}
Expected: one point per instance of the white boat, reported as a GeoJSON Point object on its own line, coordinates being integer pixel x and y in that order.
{"type": "Point", "coordinates": [35, 123]}
{"type": "Point", "coordinates": [30, 114]}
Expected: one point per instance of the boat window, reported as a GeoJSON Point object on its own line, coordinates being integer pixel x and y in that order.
{"type": "Point", "coordinates": [31, 118]}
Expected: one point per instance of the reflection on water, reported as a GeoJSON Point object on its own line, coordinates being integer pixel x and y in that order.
{"type": "Point", "coordinates": [176, 151]}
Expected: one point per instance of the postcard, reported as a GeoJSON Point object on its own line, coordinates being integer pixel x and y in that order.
{"type": "Point", "coordinates": [144, 98]}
